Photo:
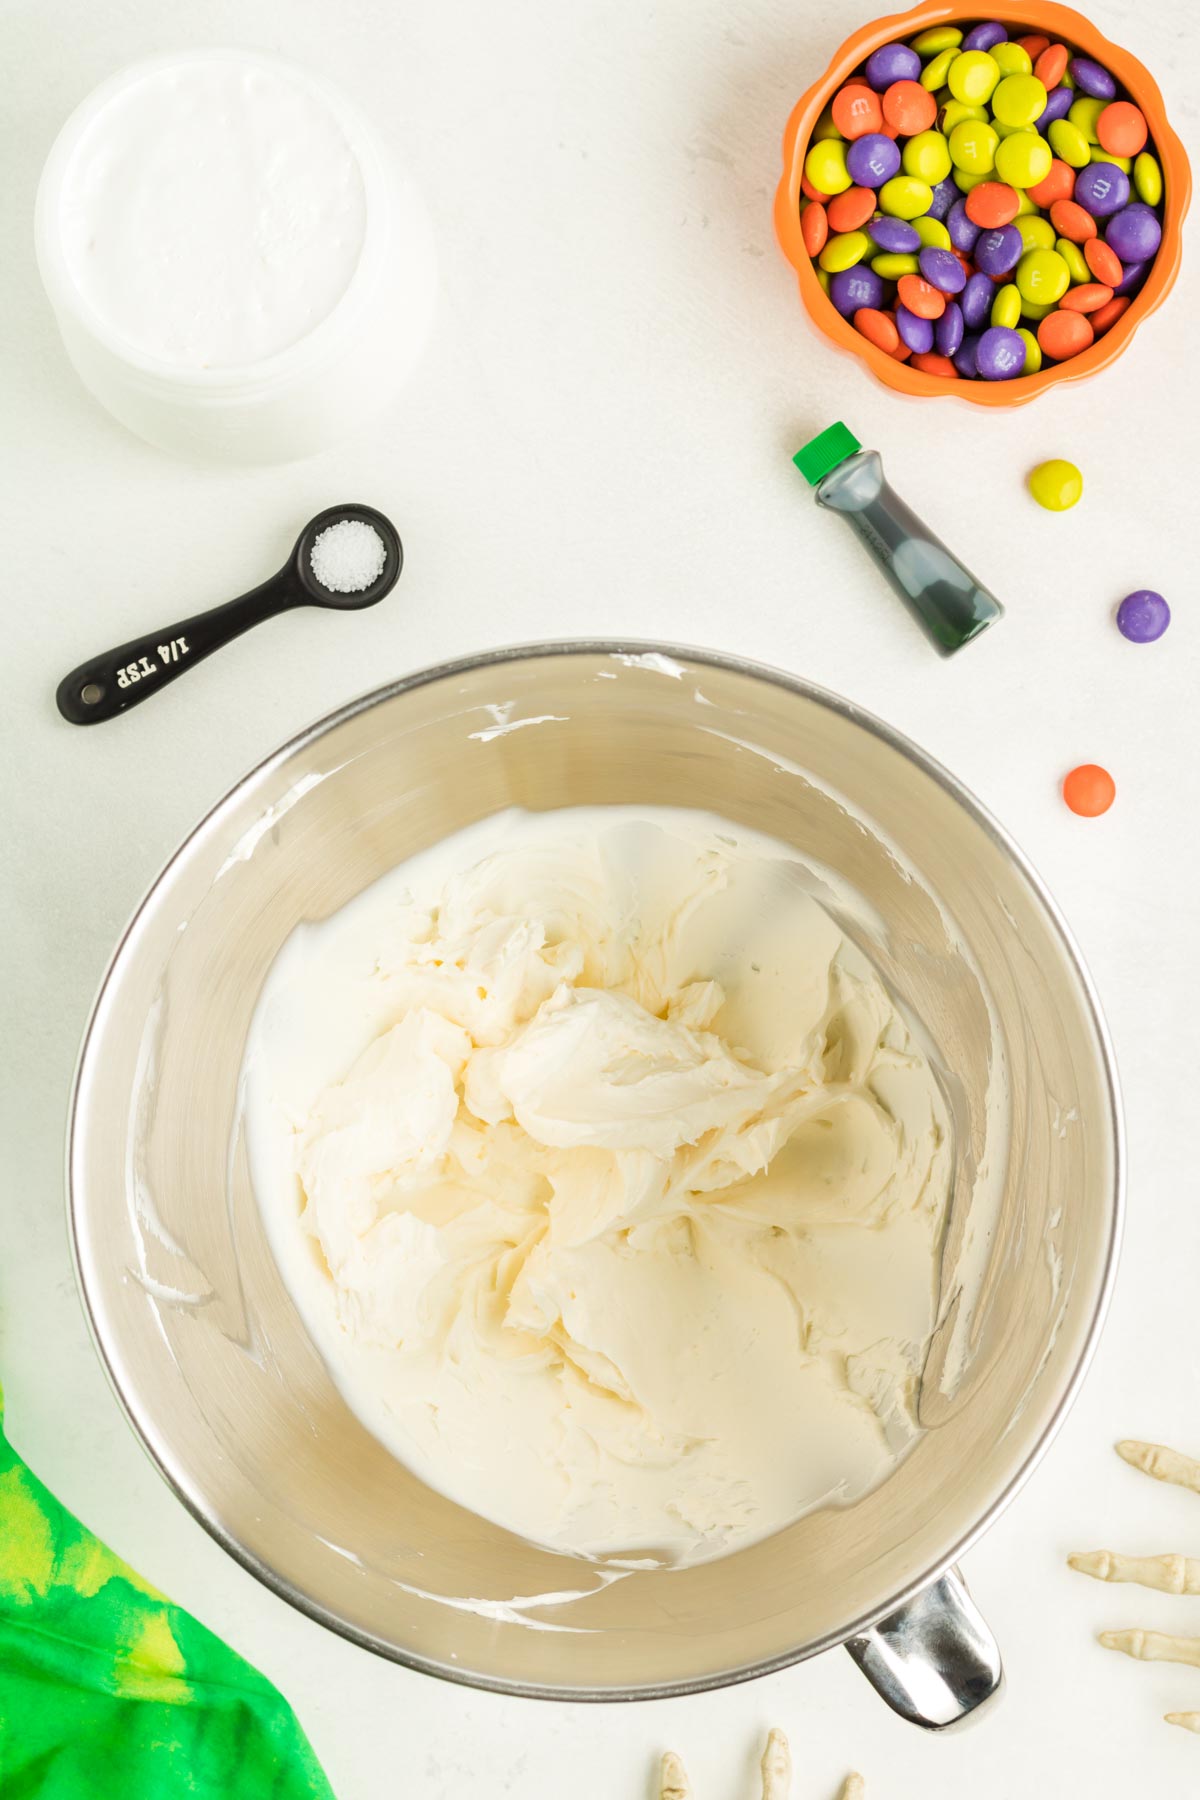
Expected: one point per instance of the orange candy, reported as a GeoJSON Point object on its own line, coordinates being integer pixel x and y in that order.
{"type": "Point", "coordinates": [931, 364]}
{"type": "Point", "coordinates": [1064, 334]}
{"type": "Point", "coordinates": [850, 210]}
{"type": "Point", "coordinates": [1033, 46]}
{"type": "Point", "coordinates": [909, 107]}
{"type": "Point", "coordinates": [1088, 297]}
{"type": "Point", "coordinates": [1059, 184]}
{"type": "Point", "coordinates": [1103, 261]}
{"type": "Point", "coordinates": [814, 227]}
{"type": "Point", "coordinates": [879, 328]}
{"type": "Point", "coordinates": [856, 110]}
{"type": "Point", "coordinates": [1121, 129]}
{"type": "Point", "coordinates": [921, 297]}
{"type": "Point", "coordinates": [1107, 316]}
{"type": "Point", "coordinates": [811, 192]}
{"type": "Point", "coordinates": [902, 352]}
{"type": "Point", "coordinates": [1089, 790]}
{"type": "Point", "coordinates": [1072, 221]}
{"type": "Point", "coordinates": [1051, 65]}
{"type": "Point", "coordinates": [992, 203]}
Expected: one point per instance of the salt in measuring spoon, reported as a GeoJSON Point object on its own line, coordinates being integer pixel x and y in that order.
{"type": "Point", "coordinates": [114, 681]}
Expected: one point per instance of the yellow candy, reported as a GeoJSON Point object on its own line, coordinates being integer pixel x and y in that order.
{"type": "Point", "coordinates": [1031, 310]}
{"type": "Point", "coordinates": [892, 264]}
{"type": "Point", "coordinates": [1068, 143]}
{"type": "Point", "coordinates": [957, 112]}
{"type": "Point", "coordinates": [1042, 276]}
{"type": "Point", "coordinates": [1084, 114]}
{"type": "Point", "coordinates": [1056, 484]}
{"type": "Point", "coordinates": [844, 250]}
{"type": "Point", "coordinates": [1006, 307]}
{"type": "Point", "coordinates": [927, 157]}
{"type": "Point", "coordinates": [1147, 178]}
{"type": "Point", "coordinates": [1033, 351]}
{"type": "Point", "coordinates": [825, 166]}
{"type": "Point", "coordinates": [934, 73]}
{"type": "Point", "coordinates": [903, 197]}
{"type": "Point", "coordinates": [939, 38]}
{"type": "Point", "coordinates": [1023, 159]}
{"type": "Point", "coordinates": [824, 280]}
{"type": "Point", "coordinates": [1010, 130]}
{"type": "Point", "coordinates": [1075, 260]}
{"type": "Point", "coordinates": [931, 231]}
{"type": "Point", "coordinates": [1011, 58]}
{"type": "Point", "coordinates": [1025, 205]}
{"type": "Point", "coordinates": [1037, 233]}
{"type": "Point", "coordinates": [972, 76]}
{"type": "Point", "coordinates": [1019, 99]}
{"type": "Point", "coordinates": [964, 181]}
{"type": "Point", "coordinates": [825, 127]}
{"type": "Point", "coordinates": [973, 147]}
{"type": "Point", "coordinates": [1100, 154]}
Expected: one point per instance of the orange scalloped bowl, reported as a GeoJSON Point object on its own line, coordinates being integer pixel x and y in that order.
{"type": "Point", "coordinates": [1062, 24]}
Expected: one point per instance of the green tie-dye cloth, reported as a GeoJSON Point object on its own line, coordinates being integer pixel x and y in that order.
{"type": "Point", "coordinates": [108, 1692]}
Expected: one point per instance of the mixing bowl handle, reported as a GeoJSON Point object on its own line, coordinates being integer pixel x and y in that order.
{"type": "Point", "coordinates": [934, 1661]}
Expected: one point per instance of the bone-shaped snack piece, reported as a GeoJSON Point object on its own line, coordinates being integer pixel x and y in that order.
{"type": "Point", "coordinates": [855, 1788]}
{"type": "Point", "coordinates": [1153, 1646]}
{"type": "Point", "coordinates": [1167, 1574]}
{"type": "Point", "coordinates": [1189, 1721]}
{"type": "Point", "coordinates": [776, 1768]}
{"type": "Point", "coordinates": [674, 1784]}
{"type": "Point", "coordinates": [776, 1775]}
{"type": "Point", "coordinates": [1163, 1464]}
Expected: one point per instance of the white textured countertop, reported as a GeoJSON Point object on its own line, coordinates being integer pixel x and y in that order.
{"type": "Point", "coordinates": [597, 443]}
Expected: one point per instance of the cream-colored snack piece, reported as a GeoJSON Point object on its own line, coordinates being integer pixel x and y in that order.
{"type": "Point", "coordinates": [855, 1788]}
{"type": "Point", "coordinates": [609, 1179]}
{"type": "Point", "coordinates": [1190, 1721]}
{"type": "Point", "coordinates": [674, 1784]}
{"type": "Point", "coordinates": [777, 1767]}
{"type": "Point", "coordinates": [1161, 1463]}
{"type": "Point", "coordinates": [1153, 1646]}
{"type": "Point", "coordinates": [1167, 1574]}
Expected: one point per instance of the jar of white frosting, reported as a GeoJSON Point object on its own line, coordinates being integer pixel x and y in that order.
{"type": "Point", "coordinates": [236, 266]}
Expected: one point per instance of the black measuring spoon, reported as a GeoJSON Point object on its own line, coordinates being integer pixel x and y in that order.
{"type": "Point", "coordinates": [111, 683]}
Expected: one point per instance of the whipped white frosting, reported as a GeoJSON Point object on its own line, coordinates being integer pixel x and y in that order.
{"type": "Point", "coordinates": [608, 1179]}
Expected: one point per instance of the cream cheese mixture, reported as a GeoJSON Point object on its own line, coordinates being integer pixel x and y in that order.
{"type": "Point", "coordinates": [608, 1179]}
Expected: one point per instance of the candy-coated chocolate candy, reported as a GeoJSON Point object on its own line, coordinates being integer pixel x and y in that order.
{"type": "Point", "coordinates": [1069, 143]}
{"type": "Point", "coordinates": [1057, 485]}
{"type": "Point", "coordinates": [879, 328]}
{"type": "Point", "coordinates": [915, 331]}
{"type": "Point", "coordinates": [1000, 354]}
{"type": "Point", "coordinates": [949, 330]}
{"type": "Point", "coordinates": [1088, 297]}
{"type": "Point", "coordinates": [927, 156]}
{"type": "Point", "coordinates": [1121, 128]}
{"type": "Point", "coordinates": [934, 73]}
{"type": "Point", "coordinates": [932, 233]}
{"type": "Point", "coordinates": [937, 39]}
{"type": "Point", "coordinates": [1023, 159]}
{"type": "Point", "coordinates": [852, 288]}
{"type": "Point", "coordinates": [955, 112]}
{"type": "Point", "coordinates": [1134, 233]}
{"type": "Point", "coordinates": [944, 196]}
{"type": "Point", "coordinates": [999, 250]}
{"type": "Point", "coordinates": [1132, 279]}
{"type": "Point", "coordinates": [1043, 277]}
{"type": "Point", "coordinates": [1019, 100]}
{"type": "Point", "coordinates": [871, 160]}
{"type": "Point", "coordinates": [825, 126]}
{"type": "Point", "coordinates": [891, 63]}
{"type": "Point", "coordinates": [891, 264]}
{"type": "Point", "coordinates": [1147, 179]}
{"type": "Point", "coordinates": [1102, 189]}
{"type": "Point", "coordinates": [1084, 113]}
{"type": "Point", "coordinates": [1064, 334]}
{"type": "Point", "coordinates": [909, 107]}
{"type": "Point", "coordinates": [1059, 184]}
{"type": "Point", "coordinates": [856, 110]}
{"type": "Point", "coordinates": [1051, 65]}
{"type": "Point", "coordinates": [942, 270]}
{"type": "Point", "coordinates": [1058, 105]}
{"type": "Point", "coordinates": [1107, 316]}
{"type": "Point", "coordinates": [1070, 220]}
{"type": "Point", "coordinates": [824, 281]}
{"type": "Point", "coordinates": [1031, 310]}
{"type": "Point", "coordinates": [1006, 307]}
{"type": "Point", "coordinates": [1091, 78]}
{"type": "Point", "coordinates": [844, 250]}
{"type": "Point", "coordinates": [905, 197]}
{"type": "Point", "coordinates": [814, 227]}
{"type": "Point", "coordinates": [1103, 262]}
{"type": "Point", "coordinates": [931, 364]}
{"type": "Point", "coordinates": [965, 357]}
{"type": "Point", "coordinates": [972, 76]}
{"type": "Point", "coordinates": [896, 235]}
{"type": "Point", "coordinates": [1089, 790]}
{"type": "Point", "coordinates": [827, 168]}
{"type": "Point", "coordinates": [976, 301]}
{"type": "Point", "coordinates": [1034, 44]}
{"type": "Point", "coordinates": [1074, 258]}
{"type": "Point", "coordinates": [992, 203]}
{"type": "Point", "coordinates": [1143, 616]}
{"type": "Point", "coordinates": [1011, 59]}
{"type": "Point", "coordinates": [973, 147]}
{"type": "Point", "coordinates": [920, 297]}
{"type": "Point", "coordinates": [965, 183]}
{"type": "Point", "coordinates": [1033, 351]}
{"type": "Point", "coordinates": [851, 210]}
{"type": "Point", "coordinates": [1037, 233]}
{"type": "Point", "coordinates": [985, 35]}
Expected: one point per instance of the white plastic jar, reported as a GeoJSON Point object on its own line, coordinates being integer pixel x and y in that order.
{"type": "Point", "coordinates": [237, 268]}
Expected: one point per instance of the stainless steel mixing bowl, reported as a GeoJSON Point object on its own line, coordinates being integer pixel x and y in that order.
{"type": "Point", "coordinates": [207, 1352]}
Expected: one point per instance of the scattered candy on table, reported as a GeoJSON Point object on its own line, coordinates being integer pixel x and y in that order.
{"type": "Point", "coordinates": [1143, 616]}
{"type": "Point", "coordinates": [1089, 790]}
{"type": "Point", "coordinates": [1056, 484]}
{"type": "Point", "coordinates": [980, 204]}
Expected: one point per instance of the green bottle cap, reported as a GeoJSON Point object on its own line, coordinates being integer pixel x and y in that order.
{"type": "Point", "coordinates": [824, 452]}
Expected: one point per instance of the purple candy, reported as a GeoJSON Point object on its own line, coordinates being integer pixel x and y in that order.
{"type": "Point", "coordinates": [1102, 189]}
{"type": "Point", "coordinates": [964, 232]}
{"type": "Point", "coordinates": [985, 36]}
{"type": "Point", "coordinates": [1001, 354]}
{"type": "Point", "coordinates": [1134, 275]}
{"type": "Point", "coordinates": [873, 159]}
{"type": "Point", "coordinates": [948, 332]}
{"type": "Point", "coordinates": [1090, 78]}
{"type": "Point", "coordinates": [976, 301]}
{"type": "Point", "coordinates": [1143, 616]}
{"type": "Point", "coordinates": [1058, 105]}
{"type": "Point", "coordinates": [914, 331]}
{"type": "Point", "coordinates": [851, 288]}
{"type": "Point", "coordinates": [896, 236]}
{"type": "Point", "coordinates": [942, 270]}
{"type": "Point", "coordinates": [999, 250]}
{"type": "Point", "coordinates": [1135, 233]}
{"type": "Point", "coordinates": [965, 358]}
{"type": "Point", "coordinates": [892, 62]}
{"type": "Point", "coordinates": [944, 195]}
